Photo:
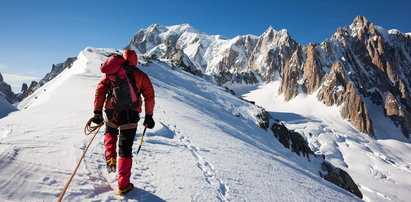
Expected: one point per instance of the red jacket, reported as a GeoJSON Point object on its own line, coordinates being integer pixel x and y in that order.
{"type": "Point", "coordinates": [144, 87]}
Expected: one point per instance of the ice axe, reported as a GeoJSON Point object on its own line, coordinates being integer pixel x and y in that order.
{"type": "Point", "coordinates": [141, 139]}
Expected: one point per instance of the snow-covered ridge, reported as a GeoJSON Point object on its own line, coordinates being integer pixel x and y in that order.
{"type": "Point", "coordinates": [205, 146]}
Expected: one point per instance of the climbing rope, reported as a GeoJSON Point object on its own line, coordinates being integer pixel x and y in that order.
{"type": "Point", "coordinates": [88, 129]}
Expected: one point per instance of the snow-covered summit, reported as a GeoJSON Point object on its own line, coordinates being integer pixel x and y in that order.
{"type": "Point", "coordinates": [211, 54]}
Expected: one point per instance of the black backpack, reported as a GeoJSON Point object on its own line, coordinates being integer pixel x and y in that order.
{"type": "Point", "coordinates": [123, 93]}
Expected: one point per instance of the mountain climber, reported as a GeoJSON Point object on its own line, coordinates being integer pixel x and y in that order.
{"type": "Point", "coordinates": [122, 120]}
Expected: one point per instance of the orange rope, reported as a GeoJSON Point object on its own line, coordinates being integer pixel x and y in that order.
{"type": "Point", "coordinates": [87, 130]}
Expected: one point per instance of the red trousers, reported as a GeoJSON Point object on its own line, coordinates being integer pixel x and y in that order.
{"type": "Point", "coordinates": [125, 142]}
{"type": "Point", "coordinates": [124, 162]}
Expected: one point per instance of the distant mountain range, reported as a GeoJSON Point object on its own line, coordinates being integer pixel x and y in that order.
{"type": "Point", "coordinates": [362, 68]}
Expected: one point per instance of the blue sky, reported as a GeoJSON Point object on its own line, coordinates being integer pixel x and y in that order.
{"type": "Point", "coordinates": [36, 34]}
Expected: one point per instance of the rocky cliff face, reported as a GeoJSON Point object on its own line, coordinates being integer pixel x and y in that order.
{"type": "Point", "coordinates": [273, 53]}
{"type": "Point", "coordinates": [375, 65]}
{"type": "Point", "coordinates": [359, 65]}
{"type": "Point", "coordinates": [337, 90]}
{"type": "Point", "coordinates": [5, 90]}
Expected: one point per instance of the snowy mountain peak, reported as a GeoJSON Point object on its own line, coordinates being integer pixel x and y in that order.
{"type": "Point", "coordinates": [361, 28]}
{"type": "Point", "coordinates": [272, 33]}
{"type": "Point", "coordinates": [360, 21]}
{"type": "Point", "coordinates": [156, 28]}
{"type": "Point", "coordinates": [184, 28]}
{"type": "Point", "coordinates": [171, 30]}
{"type": "Point", "coordinates": [270, 29]}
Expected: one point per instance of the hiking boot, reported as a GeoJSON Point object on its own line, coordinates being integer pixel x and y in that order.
{"type": "Point", "coordinates": [122, 192]}
{"type": "Point", "coordinates": [111, 165]}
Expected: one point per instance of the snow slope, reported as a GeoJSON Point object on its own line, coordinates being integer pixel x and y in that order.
{"type": "Point", "coordinates": [381, 167]}
{"type": "Point", "coordinates": [206, 146]}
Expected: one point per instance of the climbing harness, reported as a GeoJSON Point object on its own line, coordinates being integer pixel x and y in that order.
{"type": "Point", "coordinates": [120, 127]}
{"type": "Point", "coordinates": [88, 129]}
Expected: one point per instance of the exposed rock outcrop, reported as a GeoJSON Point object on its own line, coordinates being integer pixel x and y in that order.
{"type": "Point", "coordinates": [290, 75]}
{"type": "Point", "coordinates": [237, 78]}
{"type": "Point", "coordinates": [34, 85]}
{"type": "Point", "coordinates": [397, 113]}
{"type": "Point", "coordinates": [337, 90]}
{"type": "Point", "coordinates": [296, 142]}
{"type": "Point", "coordinates": [56, 69]}
{"type": "Point", "coordinates": [5, 90]}
{"type": "Point", "coordinates": [312, 70]}
{"type": "Point", "coordinates": [181, 60]}
{"type": "Point", "coordinates": [263, 118]}
{"type": "Point", "coordinates": [340, 178]}
{"type": "Point", "coordinates": [292, 139]}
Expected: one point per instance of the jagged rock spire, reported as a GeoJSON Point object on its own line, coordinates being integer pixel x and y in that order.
{"type": "Point", "coordinates": [360, 20]}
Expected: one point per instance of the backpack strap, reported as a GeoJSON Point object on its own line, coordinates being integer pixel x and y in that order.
{"type": "Point", "coordinates": [130, 74]}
